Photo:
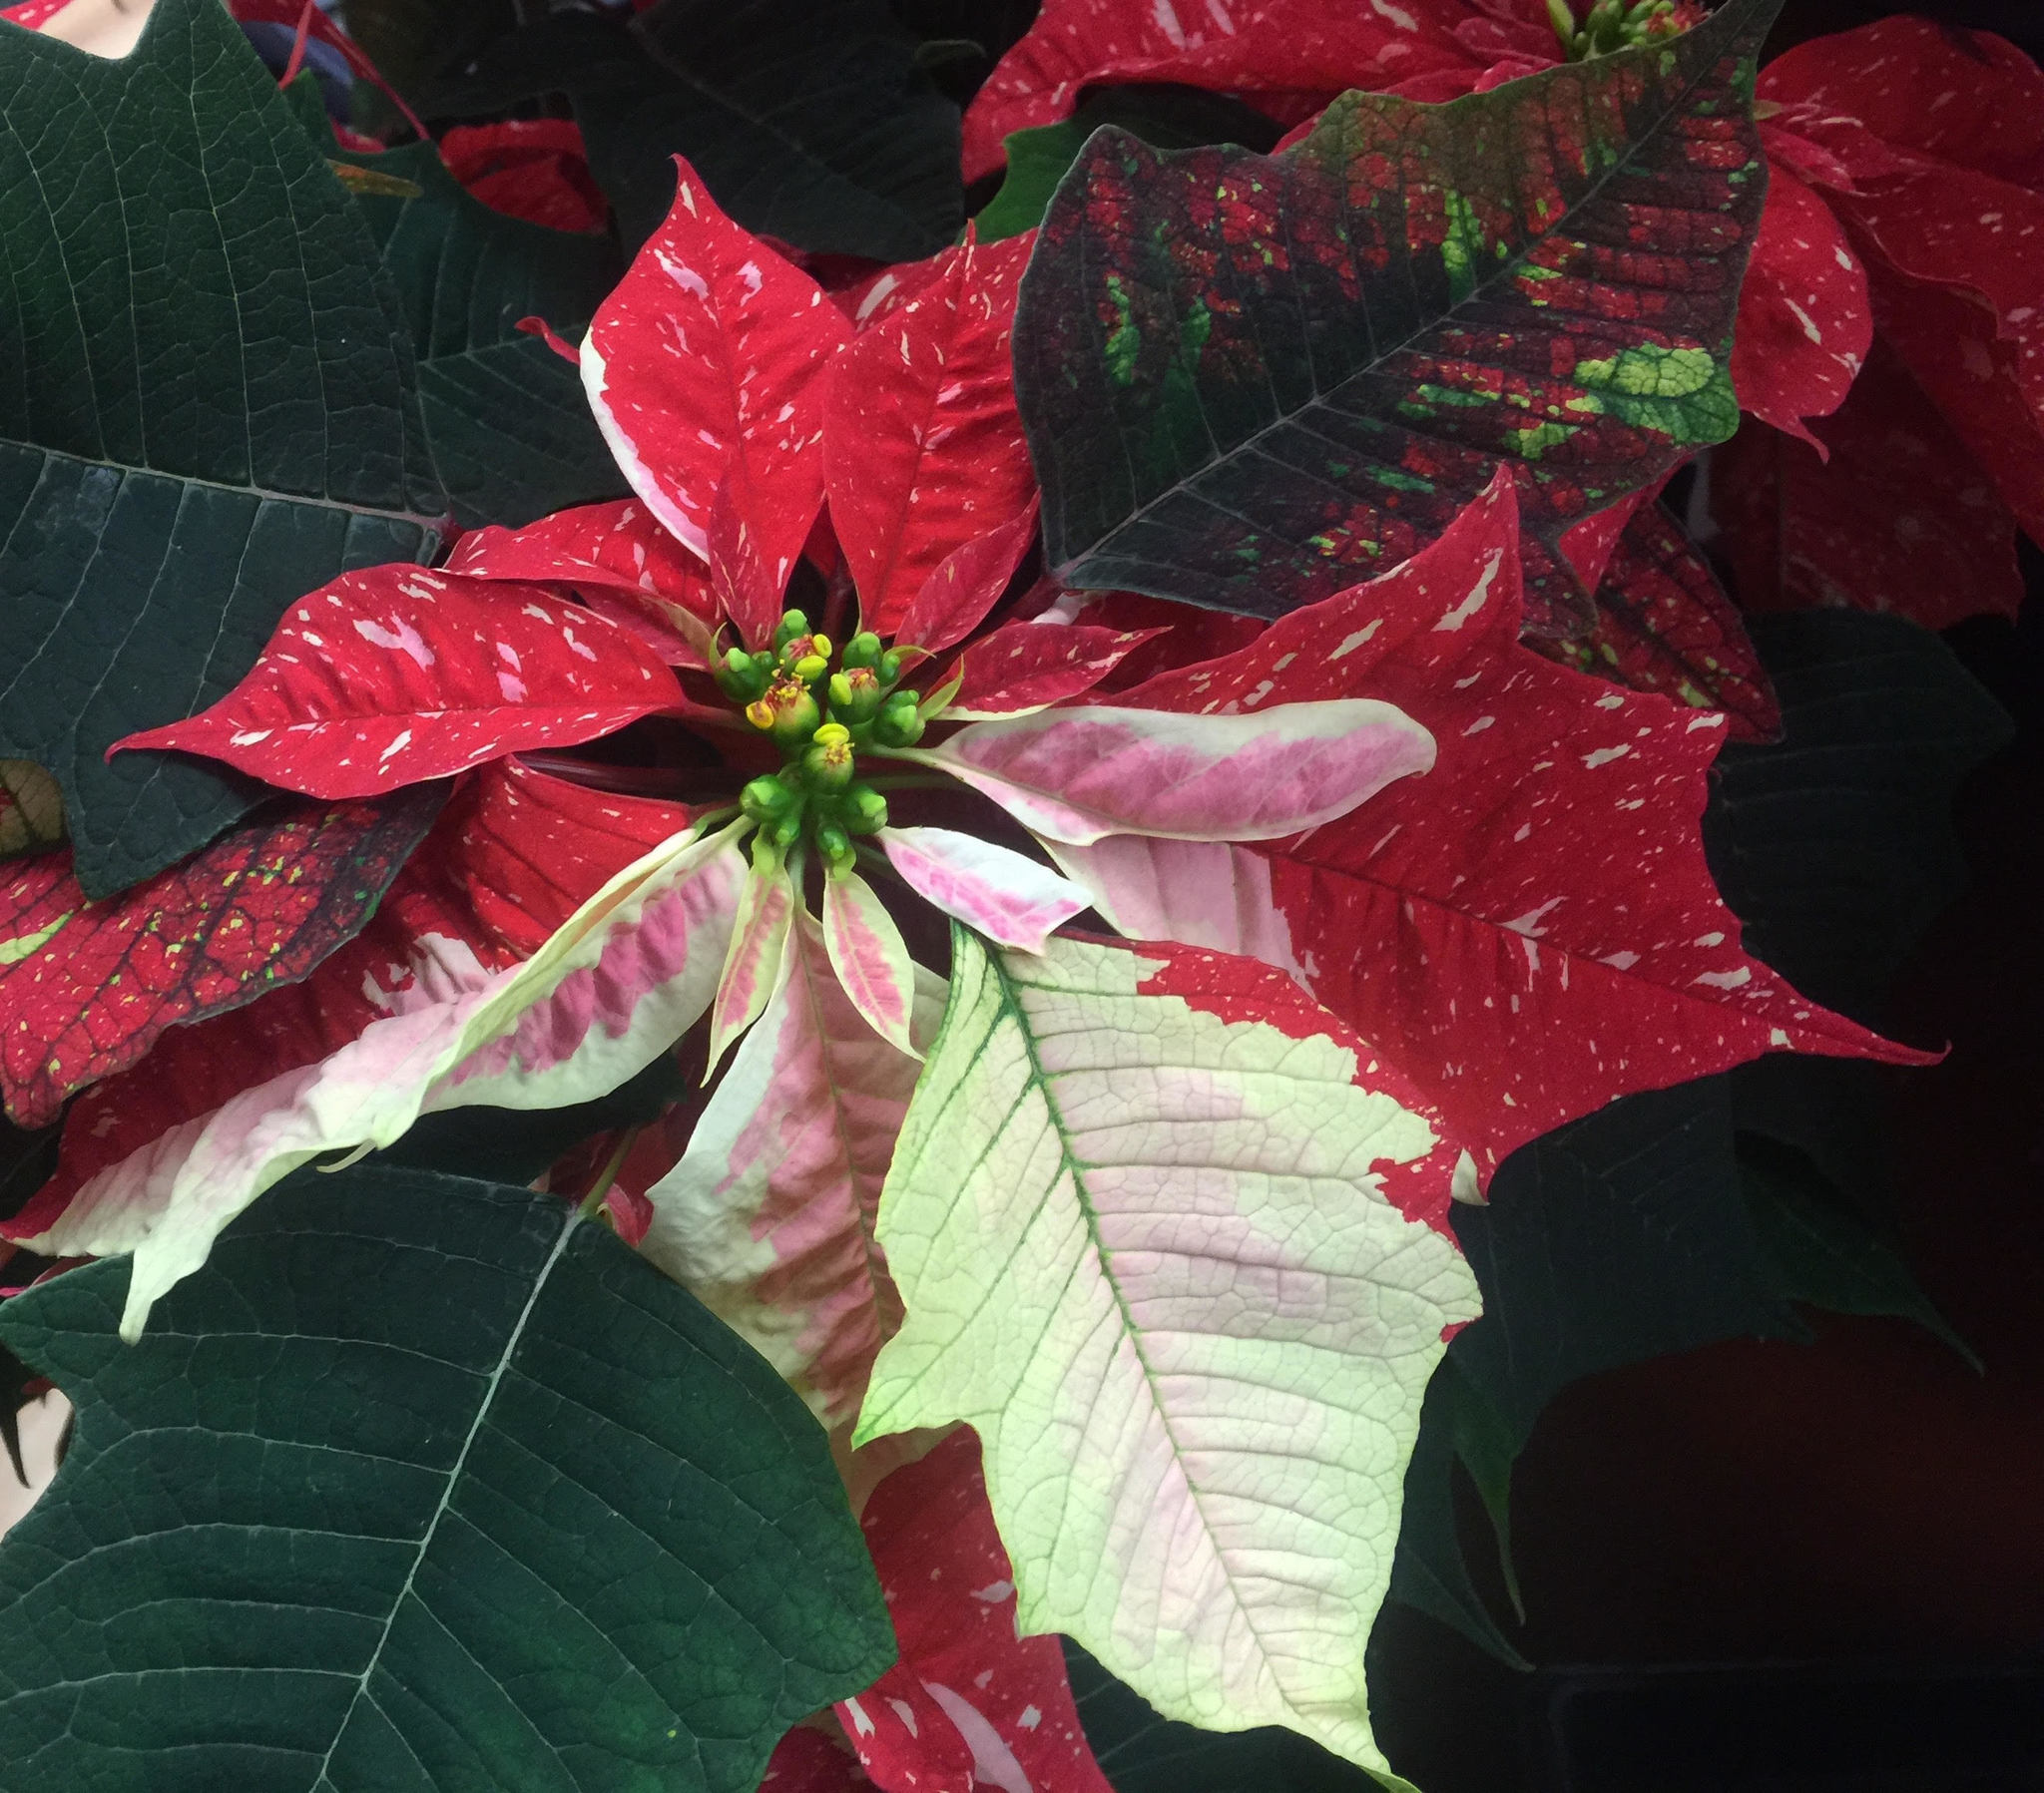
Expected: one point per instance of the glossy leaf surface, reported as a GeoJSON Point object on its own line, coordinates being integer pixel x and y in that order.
{"type": "Point", "coordinates": [511, 434]}
{"type": "Point", "coordinates": [421, 1480]}
{"type": "Point", "coordinates": [213, 411]}
{"type": "Point", "coordinates": [1545, 275]}
{"type": "Point", "coordinates": [1138, 1218]}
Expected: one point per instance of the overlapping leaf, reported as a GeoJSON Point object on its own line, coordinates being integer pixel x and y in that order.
{"type": "Point", "coordinates": [970, 1704]}
{"type": "Point", "coordinates": [512, 857]}
{"type": "Point", "coordinates": [88, 987]}
{"type": "Point", "coordinates": [1250, 380]}
{"type": "Point", "coordinates": [1289, 48]}
{"type": "Point", "coordinates": [211, 410]}
{"type": "Point", "coordinates": [768, 1215]}
{"type": "Point", "coordinates": [511, 434]}
{"type": "Point", "coordinates": [810, 122]}
{"type": "Point", "coordinates": [1139, 1218]}
{"type": "Point", "coordinates": [609, 990]}
{"type": "Point", "coordinates": [474, 1491]}
{"type": "Point", "coordinates": [394, 675]}
{"type": "Point", "coordinates": [706, 368]}
{"type": "Point", "coordinates": [1900, 517]}
{"type": "Point", "coordinates": [922, 447]}
{"type": "Point", "coordinates": [1664, 625]}
{"type": "Point", "coordinates": [1528, 931]}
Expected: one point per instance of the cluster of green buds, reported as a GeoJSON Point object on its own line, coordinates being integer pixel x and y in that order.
{"type": "Point", "coordinates": [819, 717]}
{"type": "Point", "coordinates": [1611, 25]}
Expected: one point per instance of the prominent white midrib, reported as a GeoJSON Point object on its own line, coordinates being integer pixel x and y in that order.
{"type": "Point", "coordinates": [1075, 1169]}
{"type": "Point", "coordinates": [482, 1412]}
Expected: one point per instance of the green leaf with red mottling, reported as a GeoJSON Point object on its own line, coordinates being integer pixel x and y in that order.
{"type": "Point", "coordinates": [89, 985]}
{"type": "Point", "coordinates": [1250, 380]}
{"type": "Point", "coordinates": [1665, 625]}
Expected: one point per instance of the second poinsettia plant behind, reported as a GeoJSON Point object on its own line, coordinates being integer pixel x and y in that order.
{"type": "Point", "coordinates": [1153, 1199]}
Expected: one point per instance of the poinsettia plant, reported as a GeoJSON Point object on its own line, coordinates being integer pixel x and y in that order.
{"type": "Point", "coordinates": [761, 943]}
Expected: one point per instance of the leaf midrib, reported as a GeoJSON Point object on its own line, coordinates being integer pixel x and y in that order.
{"type": "Point", "coordinates": [1011, 1007]}
{"type": "Point", "coordinates": [513, 1337]}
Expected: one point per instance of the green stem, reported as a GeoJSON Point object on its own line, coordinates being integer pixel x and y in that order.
{"type": "Point", "coordinates": [609, 1173]}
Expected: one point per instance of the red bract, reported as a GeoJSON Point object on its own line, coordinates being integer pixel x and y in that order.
{"type": "Point", "coordinates": [534, 169]}
{"type": "Point", "coordinates": [89, 987]}
{"type": "Point", "coordinates": [1530, 930]}
{"type": "Point", "coordinates": [1288, 56]}
{"type": "Point", "coordinates": [1029, 664]}
{"type": "Point", "coordinates": [922, 448]}
{"type": "Point", "coordinates": [1663, 625]}
{"type": "Point", "coordinates": [720, 347]}
{"type": "Point", "coordinates": [1900, 518]}
{"type": "Point", "coordinates": [1804, 319]}
{"type": "Point", "coordinates": [970, 1703]}
{"type": "Point", "coordinates": [1926, 141]}
{"type": "Point", "coordinates": [394, 675]}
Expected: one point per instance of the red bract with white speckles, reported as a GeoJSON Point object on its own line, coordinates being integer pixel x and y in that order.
{"type": "Point", "coordinates": [1530, 930]}
{"type": "Point", "coordinates": [922, 449]}
{"type": "Point", "coordinates": [706, 369]}
{"type": "Point", "coordinates": [259, 908]}
{"type": "Point", "coordinates": [394, 675]}
{"type": "Point", "coordinates": [970, 1704]}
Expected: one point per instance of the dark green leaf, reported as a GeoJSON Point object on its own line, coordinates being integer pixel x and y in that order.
{"type": "Point", "coordinates": [807, 119]}
{"type": "Point", "coordinates": [810, 121]}
{"type": "Point", "coordinates": [1036, 162]}
{"type": "Point", "coordinates": [413, 43]}
{"type": "Point", "coordinates": [513, 1145]}
{"type": "Point", "coordinates": [1431, 1573]}
{"type": "Point", "coordinates": [420, 1485]}
{"type": "Point", "coordinates": [1836, 847]}
{"type": "Point", "coordinates": [209, 409]}
{"type": "Point", "coordinates": [1618, 1238]}
{"type": "Point", "coordinates": [1163, 116]}
{"type": "Point", "coordinates": [1252, 380]}
{"type": "Point", "coordinates": [511, 430]}
{"type": "Point", "coordinates": [1143, 1753]}
{"type": "Point", "coordinates": [1822, 1250]}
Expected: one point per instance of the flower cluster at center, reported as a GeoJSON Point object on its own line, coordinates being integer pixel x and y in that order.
{"type": "Point", "coordinates": [820, 718]}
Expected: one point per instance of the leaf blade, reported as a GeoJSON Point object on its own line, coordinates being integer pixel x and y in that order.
{"type": "Point", "coordinates": [456, 1444]}
{"type": "Point", "coordinates": [1282, 373]}
{"type": "Point", "coordinates": [954, 1217]}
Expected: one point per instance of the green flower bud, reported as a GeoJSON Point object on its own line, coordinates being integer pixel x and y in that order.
{"type": "Point", "coordinates": [835, 847]}
{"type": "Point", "coordinates": [888, 665]}
{"type": "Point", "coordinates": [739, 679]}
{"type": "Point", "coordinates": [793, 623]}
{"type": "Point", "coordinates": [786, 832]}
{"type": "Point", "coordinates": [899, 725]}
{"type": "Point", "coordinates": [768, 799]}
{"type": "Point", "coordinates": [862, 650]}
{"type": "Point", "coordinates": [863, 808]}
